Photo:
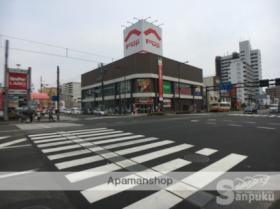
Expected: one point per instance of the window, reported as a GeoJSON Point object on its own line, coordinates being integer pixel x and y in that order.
{"type": "Point", "coordinates": [144, 85]}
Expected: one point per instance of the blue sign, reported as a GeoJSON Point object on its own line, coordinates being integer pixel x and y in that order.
{"type": "Point", "coordinates": [225, 86]}
{"type": "Point", "coordinates": [54, 98]}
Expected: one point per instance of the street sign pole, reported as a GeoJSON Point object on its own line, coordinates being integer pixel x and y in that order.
{"type": "Point", "coordinates": [58, 94]}
{"type": "Point", "coordinates": [6, 102]}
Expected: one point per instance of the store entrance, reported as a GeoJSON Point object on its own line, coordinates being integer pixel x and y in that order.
{"type": "Point", "coordinates": [143, 108]}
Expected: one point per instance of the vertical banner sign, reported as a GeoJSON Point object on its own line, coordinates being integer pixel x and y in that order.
{"type": "Point", "coordinates": [1, 101]}
{"type": "Point", "coordinates": [160, 80]}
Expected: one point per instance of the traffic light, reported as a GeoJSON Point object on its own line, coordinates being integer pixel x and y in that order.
{"type": "Point", "coordinates": [277, 82]}
{"type": "Point", "coordinates": [264, 83]}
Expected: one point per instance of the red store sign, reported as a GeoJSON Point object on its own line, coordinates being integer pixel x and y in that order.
{"type": "Point", "coordinates": [17, 81]}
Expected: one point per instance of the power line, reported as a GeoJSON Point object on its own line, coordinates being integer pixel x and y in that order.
{"type": "Point", "coordinates": [57, 46]}
{"type": "Point", "coordinates": [51, 54]}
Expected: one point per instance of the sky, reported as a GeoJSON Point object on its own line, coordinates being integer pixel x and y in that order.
{"type": "Point", "coordinates": [193, 30]}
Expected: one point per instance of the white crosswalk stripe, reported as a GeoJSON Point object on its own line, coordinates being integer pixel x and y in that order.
{"type": "Point", "coordinates": [17, 141]}
{"type": "Point", "coordinates": [4, 137]}
{"type": "Point", "coordinates": [68, 149]}
{"type": "Point", "coordinates": [206, 151]}
{"type": "Point", "coordinates": [89, 173]}
{"type": "Point", "coordinates": [91, 159]}
{"type": "Point", "coordinates": [102, 191]}
{"type": "Point", "coordinates": [256, 115]}
{"type": "Point", "coordinates": [189, 185]}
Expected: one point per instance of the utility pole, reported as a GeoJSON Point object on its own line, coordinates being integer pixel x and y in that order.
{"type": "Point", "coordinates": [6, 71]}
{"type": "Point", "coordinates": [29, 87]}
{"type": "Point", "coordinates": [58, 94]}
{"type": "Point", "coordinates": [102, 83]}
{"type": "Point", "coordinates": [41, 84]}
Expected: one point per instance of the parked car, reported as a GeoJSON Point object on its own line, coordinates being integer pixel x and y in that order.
{"type": "Point", "coordinates": [76, 111]}
{"type": "Point", "coordinates": [100, 112]}
{"type": "Point", "coordinates": [67, 111]}
{"type": "Point", "coordinates": [274, 108]}
{"type": "Point", "coordinates": [250, 110]}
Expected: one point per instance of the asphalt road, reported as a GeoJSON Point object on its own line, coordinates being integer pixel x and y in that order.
{"type": "Point", "coordinates": [193, 142]}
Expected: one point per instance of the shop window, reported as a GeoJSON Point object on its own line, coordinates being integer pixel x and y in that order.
{"type": "Point", "coordinates": [144, 85]}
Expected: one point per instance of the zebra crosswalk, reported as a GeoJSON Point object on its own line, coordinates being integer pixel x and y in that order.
{"type": "Point", "coordinates": [88, 153]}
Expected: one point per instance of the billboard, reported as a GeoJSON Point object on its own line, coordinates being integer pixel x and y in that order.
{"type": "Point", "coordinates": [142, 37]}
{"type": "Point", "coordinates": [17, 80]}
{"type": "Point", "coordinates": [160, 80]}
{"type": "Point", "coordinates": [1, 101]}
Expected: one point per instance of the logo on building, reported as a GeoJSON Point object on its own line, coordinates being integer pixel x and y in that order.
{"type": "Point", "coordinates": [142, 37]}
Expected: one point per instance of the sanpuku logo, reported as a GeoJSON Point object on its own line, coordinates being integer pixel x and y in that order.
{"type": "Point", "coordinates": [136, 42]}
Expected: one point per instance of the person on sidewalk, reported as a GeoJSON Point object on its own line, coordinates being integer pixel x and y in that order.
{"type": "Point", "coordinates": [51, 115]}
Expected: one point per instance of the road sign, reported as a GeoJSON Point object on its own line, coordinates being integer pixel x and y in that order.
{"type": "Point", "coordinates": [225, 86]}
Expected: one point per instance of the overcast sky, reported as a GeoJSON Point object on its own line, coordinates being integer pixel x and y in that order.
{"type": "Point", "coordinates": [193, 30]}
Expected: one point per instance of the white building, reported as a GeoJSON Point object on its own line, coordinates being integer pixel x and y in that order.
{"type": "Point", "coordinates": [71, 94]}
{"type": "Point", "coordinates": [241, 67]}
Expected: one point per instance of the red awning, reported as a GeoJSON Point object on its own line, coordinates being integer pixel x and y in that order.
{"type": "Point", "coordinates": [39, 96]}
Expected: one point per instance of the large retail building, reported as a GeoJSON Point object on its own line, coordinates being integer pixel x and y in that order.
{"type": "Point", "coordinates": [144, 80]}
{"type": "Point", "coordinates": [132, 83]}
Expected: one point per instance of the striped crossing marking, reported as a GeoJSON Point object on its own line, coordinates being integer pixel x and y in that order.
{"type": "Point", "coordinates": [102, 191]}
{"type": "Point", "coordinates": [92, 172]}
{"type": "Point", "coordinates": [189, 185]}
{"type": "Point", "coordinates": [91, 159]}
{"type": "Point", "coordinates": [77, 143]}
{"type": "Point", "coordinates": [206, 151]}
{"type": "Point", "coordinates": [4, 137]}
{"type": "Point", "coordinates": [12, 142]}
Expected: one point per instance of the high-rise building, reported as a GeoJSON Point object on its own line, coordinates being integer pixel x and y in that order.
{"type": "Point", "coordinates": [241, 67]}
{"type": "Point", "coordinates": [71, 94]}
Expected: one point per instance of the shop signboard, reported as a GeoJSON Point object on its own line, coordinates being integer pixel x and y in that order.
{"type": "Point", "coordinates": [160, 80]}
{"type": "Point", "coordinates": [167, 87]}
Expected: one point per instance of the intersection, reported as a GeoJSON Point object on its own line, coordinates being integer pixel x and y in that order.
{"type": "Point", "coordinates": [89, 146]}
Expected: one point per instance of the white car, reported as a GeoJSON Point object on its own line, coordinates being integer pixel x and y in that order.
{"type": "Point", "coordinates": [67, 111]}
{"type": "Point", "coordinates": [274, 108]}
{"type": "Point", "coordinates": [76, 111]}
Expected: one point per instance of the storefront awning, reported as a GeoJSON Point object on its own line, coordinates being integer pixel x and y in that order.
{"type": "Point", "coordinates": [39, 96]}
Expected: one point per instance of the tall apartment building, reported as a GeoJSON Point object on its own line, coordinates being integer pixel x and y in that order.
{"type": "Point", "coordinates": [71, 94]}
{"type": "Point", "coordinates": [241, 67]}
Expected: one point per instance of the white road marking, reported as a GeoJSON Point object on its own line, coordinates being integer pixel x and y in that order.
{"type": "Point", "coordinates": [12, 142]}
{"type": "Point", "coordinates": [84, 130]}
{"type": "Point", "coordinates": [189, 185]}
{"type": "Point", "coordinates": [77, 162]}
{"type": "Point", "coordinates": [14, 147]}
{"type": "Point", "coordinates": [235, 125]}
{"type": "Point", "coordinates": [4, 137]}
{"type": "Point", "coordinates": [158, 200]}
{"type": "Point", "coordinates": [106, 137]}
{"type": "Point", "coordinates": [161, 153]}
{"type": "Point", "coordinates": [65, 147]}
{"type": "Point", "coordinates": [54, 144]}
{"type": "Point", "coordinates": [144, 147]}
{"type": "Point", "coordinates": [95, 158]}
{"type": "Point", "coordinates": [68, 154]}
{"type": "Point", "coordinates": [101, 134]}
{"type": "Point", "coordinates": [118, 139]}
{"type": "Point", "coordinates": [194, 121]}
{"type": "Point", "coordinates": [250, 122]}
{"type": "Point", "coordinates": [268, 128]}
{"type": "Point", "coordinates": [82, 175]}
{"type": "Point", "coordinates": [83, 134]}
{"type": "Point", "coordinates": [122, 144]}
{"type": "Point", "coordinates": [206, 151]}
{"type": "Point", "coordinates": [16, 173]}
{"type": "Point", "coordinates": [212, 119]}
{"type": "Point", "coordinates": [272, 116]}
{"type": "Point", "coordinates": [102, 191]}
